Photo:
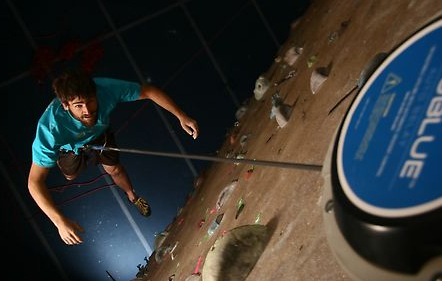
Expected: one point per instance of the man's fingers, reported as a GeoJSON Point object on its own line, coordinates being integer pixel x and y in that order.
{"type": "Point", "coordinates": [71, 237]}
{"type": "Point", "coordinates": [191, 128]}
{"type": "Point", "coordinates": [73, 240]}
{"type": "Point", "coordinates": [194, 128]}
{"type": "Point", "coordinates": [77, 238]}
{"type": "Point", "coordinates": [195, 132]}
{"type": "Point", "coordinates": [188, 130]}
{"type": "Point", "coordinates": [192, 131]}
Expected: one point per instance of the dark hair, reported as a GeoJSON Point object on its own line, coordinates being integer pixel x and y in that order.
{"type": "Point", "coordinates": [73, 83]}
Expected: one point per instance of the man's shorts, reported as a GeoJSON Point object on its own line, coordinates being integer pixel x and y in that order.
{"type": "Point", "coordinates": [72, 164]}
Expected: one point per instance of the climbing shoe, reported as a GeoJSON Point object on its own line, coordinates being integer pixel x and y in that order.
{"type": "Point", "coordinates": [142, 206]}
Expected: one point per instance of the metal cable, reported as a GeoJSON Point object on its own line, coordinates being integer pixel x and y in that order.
{"type": "Point", "coordinates": [302, 166]}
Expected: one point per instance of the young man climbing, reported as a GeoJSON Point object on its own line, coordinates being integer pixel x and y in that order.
{"type": "Point", "coordinates": [80, 116]}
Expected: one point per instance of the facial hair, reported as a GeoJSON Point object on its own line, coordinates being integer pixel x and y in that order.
{"type": "Point", "coordinates": [89, 120]}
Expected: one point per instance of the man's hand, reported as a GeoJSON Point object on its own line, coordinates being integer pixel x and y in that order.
{"type": "Point", "coordinates": [68, 231]}
{"type": "Point", "coordinates": [190, 126]}
{"type": "Point", "coordinates": [159, 97]}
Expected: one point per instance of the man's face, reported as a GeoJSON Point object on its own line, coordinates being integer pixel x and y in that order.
{"type": "Point", "coordinates": [83, 109]}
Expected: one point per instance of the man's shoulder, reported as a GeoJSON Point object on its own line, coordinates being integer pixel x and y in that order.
{"type": "Point", "coordinates": [121, 90]}
{"type": "Point", "coordinates": [53, 112]}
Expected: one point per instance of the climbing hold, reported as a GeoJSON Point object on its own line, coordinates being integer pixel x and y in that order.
{"type": "Point", "coordinates": [233, 255]}
{"type": "Point", "coordinates": [225, 194]}
{"type": "Point", "coordinates": [258, 218]}
{"type": "Point", "coordinates": [318, 77]}
{"type": "Point", "coordinates": [159, 239]}
{"type": "Point", "coordinates": [333, 36]}
{"type": "Point", "coordinates": [261, 86]}
{"type": "Point", "coordinates": [201, 222]}
{"type": "Point", "coordinates": [249, 172]}
{"type": "Point", "coordinates": [280, 110]}
{"type": "Point", "coordinates": [241, 112]}
{"type": "Point", "coordinates": [311, 60]}
{"type": "Point", "coordinates": [215, 224]}
{"type": "Point", "coordinates": [243, 140]}
{"type": "Point", "coordinates": [240, 155]}
{"type": "Point", "coordinates": [240, 208]}
{"type": "Point", "coordinates": [160, 253]}
{"type": "Point", "coordinates": [292, 55]}
{"type": "Point", "coordinates": [285, 78]}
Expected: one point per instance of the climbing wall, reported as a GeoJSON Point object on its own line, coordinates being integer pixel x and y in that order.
{"type": "Point", "coordinates": [291, 116]}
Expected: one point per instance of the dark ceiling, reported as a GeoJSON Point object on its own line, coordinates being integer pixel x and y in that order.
{"type": "Point", "coordinates": [206, 55]}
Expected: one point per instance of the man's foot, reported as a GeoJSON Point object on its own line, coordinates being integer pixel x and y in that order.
{"type": "Point", "coordinates": [142, 206]}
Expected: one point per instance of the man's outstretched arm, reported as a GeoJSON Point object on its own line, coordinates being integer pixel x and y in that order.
{"type": "Point", "coordinates": [67, 229]}
{"type": "Point", "coordinates": [159, 97]}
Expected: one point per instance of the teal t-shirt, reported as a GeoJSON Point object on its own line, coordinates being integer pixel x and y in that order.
{"type": "Point", "coordinates": [57, 129]}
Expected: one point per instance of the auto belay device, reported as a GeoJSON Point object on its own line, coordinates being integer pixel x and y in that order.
{"type": "Point", "coordinates": [382, 195]}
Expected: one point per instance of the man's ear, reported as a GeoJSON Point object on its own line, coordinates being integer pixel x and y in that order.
{"type": "Point", "coordinates": [65, 105]}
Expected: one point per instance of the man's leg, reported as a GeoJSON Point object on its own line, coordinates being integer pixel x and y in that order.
{"type": "Point", "coordinates": [111, 164]}
{"type": "Point", "coordinates": [71, 164]}
{"type": "Point", "coordinates": [120, 177]}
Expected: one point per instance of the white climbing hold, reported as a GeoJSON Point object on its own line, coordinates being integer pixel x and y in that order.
{"type": "Point", "coordinates": [318, 78]}
{"type": "Point", "coordinates": [225, 194]}
{"type": "Point", "coordinates": [280, 111]}
{"type": "Point", "coordinates": [262, 84]}
{"type": "Point", "coordinates": [292, 55]}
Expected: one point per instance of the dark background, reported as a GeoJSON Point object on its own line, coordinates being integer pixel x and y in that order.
{"type": "Point", "coordinates": [205, 54]}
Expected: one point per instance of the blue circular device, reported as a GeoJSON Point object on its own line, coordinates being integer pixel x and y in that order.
{"type": "Point", "coordinates": [386, 170]}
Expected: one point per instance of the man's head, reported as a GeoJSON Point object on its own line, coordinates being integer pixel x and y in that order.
{"type": "Point", "coordinates": [77, 93]}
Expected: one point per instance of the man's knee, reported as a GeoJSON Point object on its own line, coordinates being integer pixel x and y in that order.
{"type": "Point", "coordinates": [113, 170]}
{"type": "Point", "coordinates": [70, 177]}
